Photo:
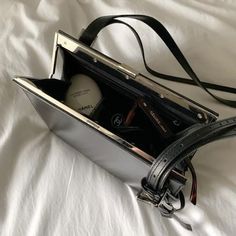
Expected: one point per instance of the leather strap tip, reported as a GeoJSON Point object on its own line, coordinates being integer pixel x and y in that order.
{"type": "Point", "coordinates": [194, 201]}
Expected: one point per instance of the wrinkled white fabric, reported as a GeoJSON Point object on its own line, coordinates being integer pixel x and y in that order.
{"type": "Point", "coordinates": [47, 187]}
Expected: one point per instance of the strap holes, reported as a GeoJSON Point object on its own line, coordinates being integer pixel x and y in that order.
{"type": "Point", "coordinates": [154, 176]}
{"type": "Point", "coordinates": [181, 145]}
{"type": "Point", "coordinates": [165, 160]}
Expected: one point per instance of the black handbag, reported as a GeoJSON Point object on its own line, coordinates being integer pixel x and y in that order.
{"type": "Point", "coordinates": [136, 118]}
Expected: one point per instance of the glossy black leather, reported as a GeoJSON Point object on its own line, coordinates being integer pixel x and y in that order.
{"type": "Point", "coordinates": [177, 151]}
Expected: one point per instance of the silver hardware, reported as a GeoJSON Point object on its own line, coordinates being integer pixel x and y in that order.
{"type": "Point", "coordinates": [155, 201]}
{"type": "Point", "coordinates": [128, 71]}
{"type": "Point", "coordinates": [54, 56]}
{"type": "Point", "coordinates": [27, 86]}
{"type": "Point", "coordinates": [147, 198]}
{"type": "Point", "coordinates": [199, 115]}
{"type": "Point", "coordinates": [73, 45]}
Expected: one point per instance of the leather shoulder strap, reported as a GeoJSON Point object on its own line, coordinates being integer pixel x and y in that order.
{"type": "Point", "coordinates": [180, 149]}
{"type": "Point", "coordinates": [157, 186]}
{"type": "Point", "coordinates": [91, 32]}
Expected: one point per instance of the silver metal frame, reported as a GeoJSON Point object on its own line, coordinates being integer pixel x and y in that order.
{"type": "Point", "coordinates": [65, 41]}
{"type": "Point", "coordinates": [23, 83]}
{"type": "Point", "coordinates": [129, 163]}
{"type": "Point", "coordinates": [73, 45]}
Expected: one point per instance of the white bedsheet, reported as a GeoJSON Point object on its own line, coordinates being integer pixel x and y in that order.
{"type": "Point", "coordinates": [47, 187]}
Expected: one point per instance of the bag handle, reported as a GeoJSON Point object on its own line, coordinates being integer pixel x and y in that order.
{"type": "Point", "coordinates": [91, 32]}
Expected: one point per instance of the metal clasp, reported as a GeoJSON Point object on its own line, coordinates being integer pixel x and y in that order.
{"type": "Point", "coordinates": [157, 201]}
{"type": "Point", "coordinates": [147, 197]}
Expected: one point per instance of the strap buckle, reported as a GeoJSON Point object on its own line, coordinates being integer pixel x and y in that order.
{"type": "Point", "coordinates": [147, 197]}
{"type": "Point", "coordinates": [161, 201]}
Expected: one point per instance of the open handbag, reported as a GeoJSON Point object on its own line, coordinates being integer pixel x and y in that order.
{"type": "Point", "coordinates": [140, 131]}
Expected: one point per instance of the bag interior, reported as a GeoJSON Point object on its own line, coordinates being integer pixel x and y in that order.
{"type": "Point", "coordinates": [119, 96]}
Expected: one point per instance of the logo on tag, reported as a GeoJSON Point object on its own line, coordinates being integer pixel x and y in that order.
{"type": "Point", "coordinates": [117, 120]}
